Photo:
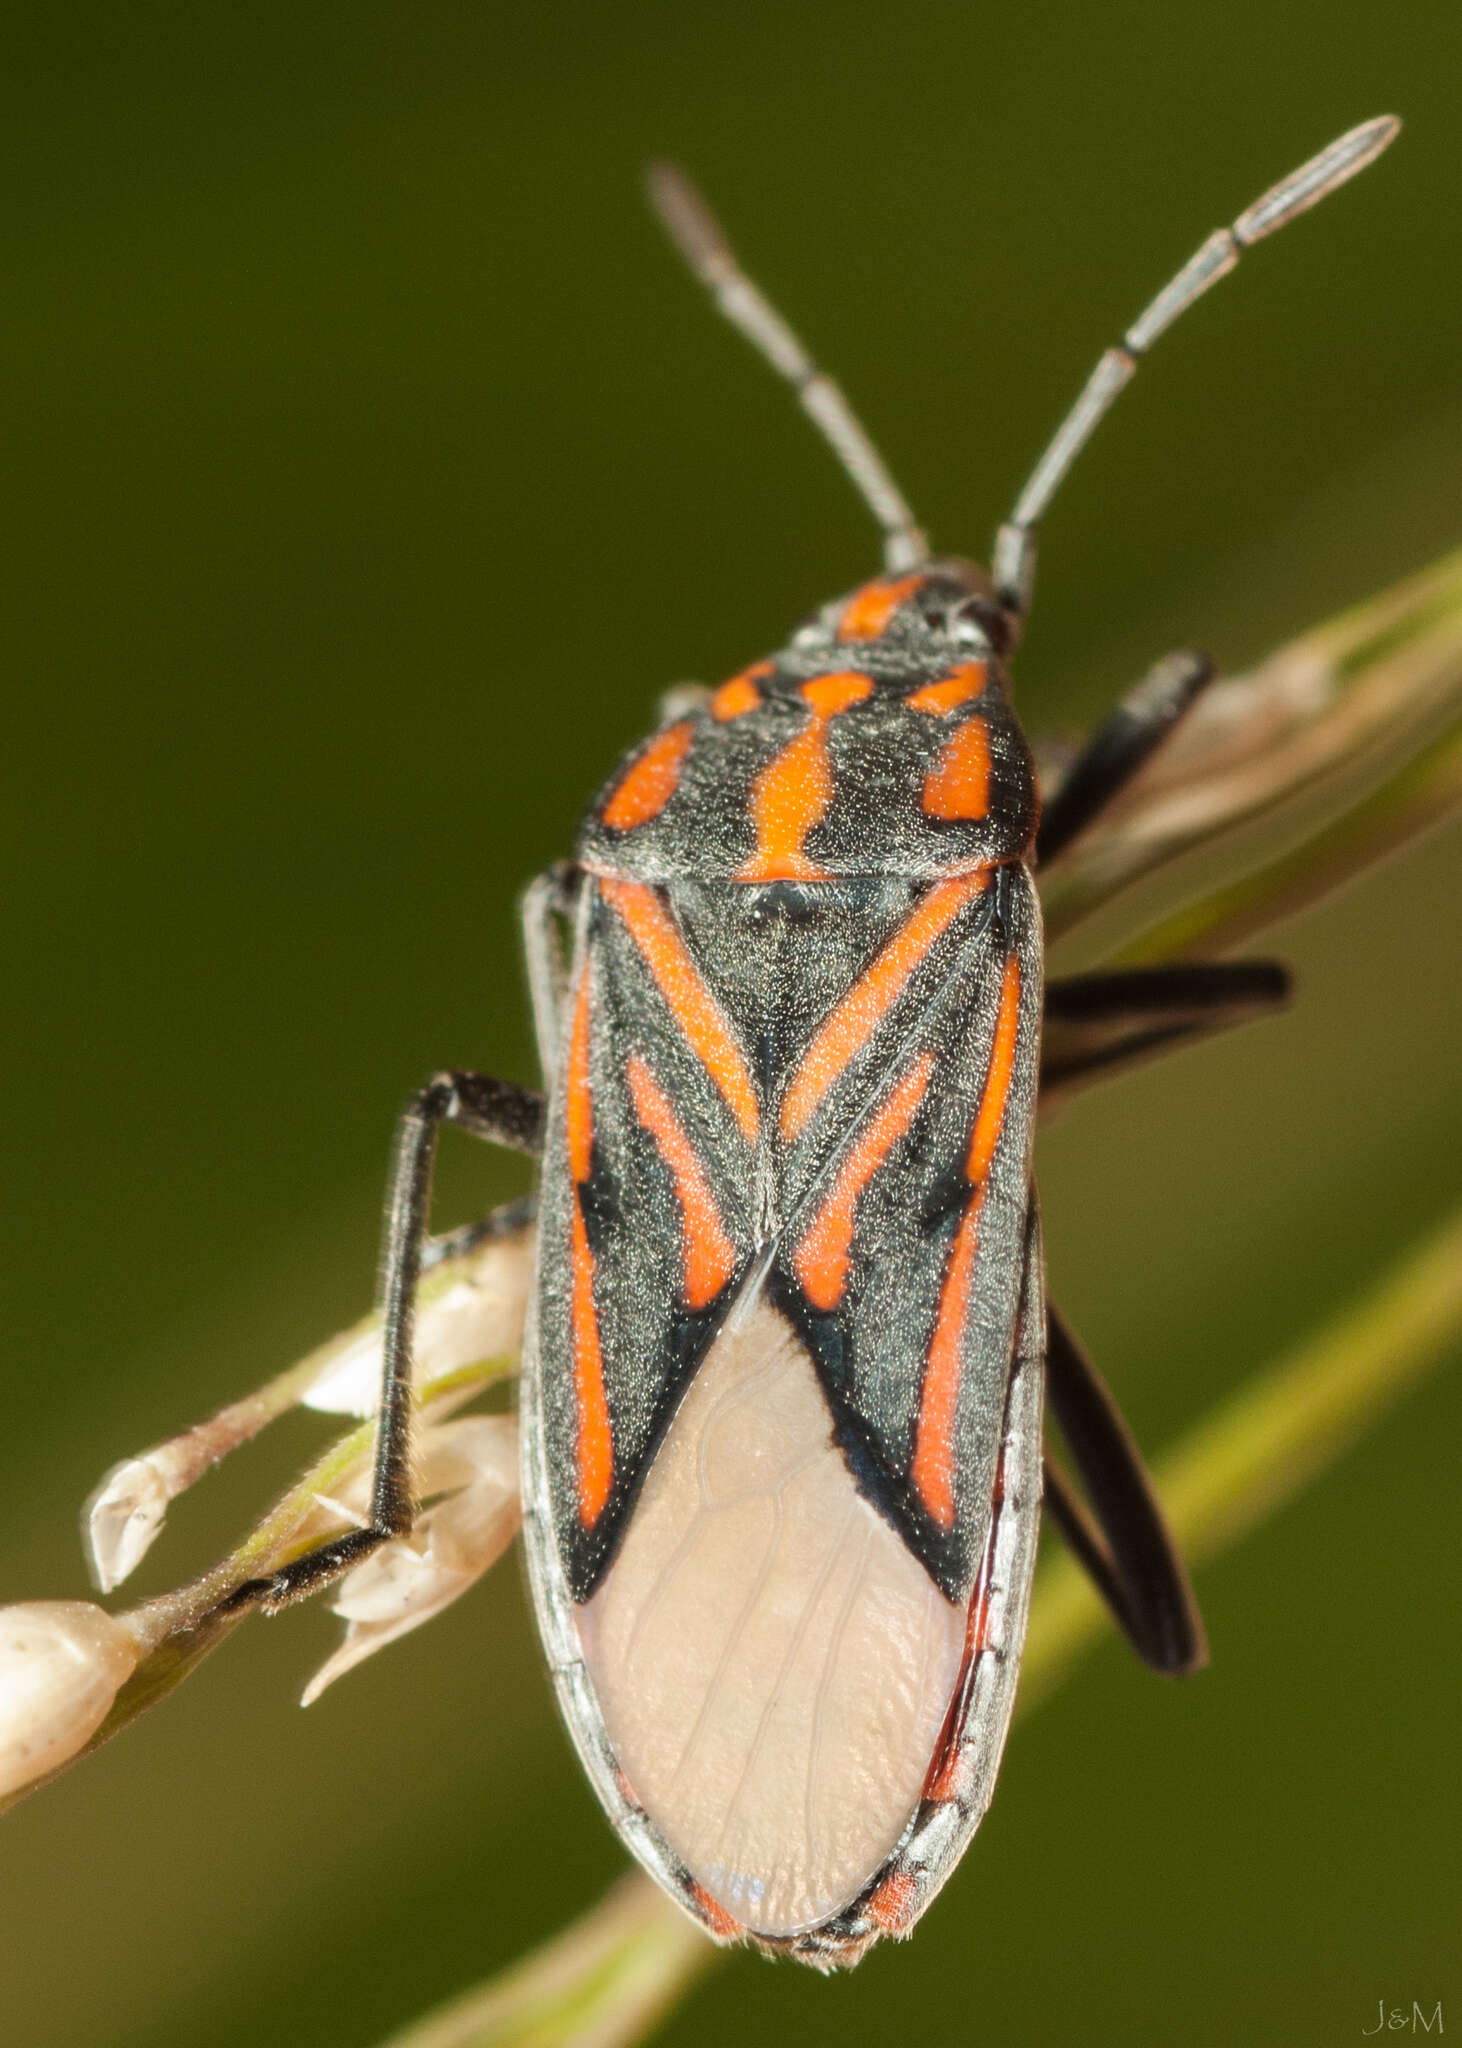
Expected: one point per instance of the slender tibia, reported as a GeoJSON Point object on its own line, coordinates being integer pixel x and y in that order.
{"type": "Point", "coordinates": [504, 1115]}
{"type": "Point", "coordinates": [1124, 1542]}
{"type": "Point", "coordinates": [1124, 741]}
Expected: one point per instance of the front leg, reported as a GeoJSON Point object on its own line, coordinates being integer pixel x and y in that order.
{"type": "Point", "coordinates": [504, 1114]}
{"type": "Point", "coordinates": [1124, 741]}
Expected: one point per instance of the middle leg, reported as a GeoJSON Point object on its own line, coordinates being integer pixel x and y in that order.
{"type": "Point", "coordinates": [1124, 742]}
{"type": "Point", "coordinates": [1097, 1024]}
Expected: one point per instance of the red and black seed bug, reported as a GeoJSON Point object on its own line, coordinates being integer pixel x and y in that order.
{"type": "Point", "coordinates": [784, 1376]}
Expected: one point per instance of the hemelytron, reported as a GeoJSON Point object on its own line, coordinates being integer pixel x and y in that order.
{"type": "Point", "coordinates": [784, 1374]}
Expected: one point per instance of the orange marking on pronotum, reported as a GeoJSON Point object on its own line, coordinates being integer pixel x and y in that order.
{"type": "Point", "coordinates": [788, 798]}
{"type": "Point", "coordinates": [828, 695]}
{"type": "Point", "coordinates": [958, 785]}
{"type": "Point", "coordinates": [932, 1469]}
{"type": "Point", "coordinates": [740, 695]}
{"type": "Point", "coordinates": [957, 688]}
{"type": "Point", "coordinates": [822, 1257]}
{"type": "Point", "coordinates": [891, 1904]}
{"type": "Point", "coordinates": [707, 1254]}
{"type": "Point", "coordinates": [868, 611]}
{"type": "Point", "coordinates": [872, 996]}
{"type": "Point", "coordinates": [793, 791]}
{"type": "Point", "coordinates": [650, 780]}
{"type": "Point", "coordinates": [692, 1005]}
{"type": "Point", "coordinates": [594, 1440]}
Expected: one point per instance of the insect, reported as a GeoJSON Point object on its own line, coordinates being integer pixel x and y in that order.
{"type": "Point", "coordinates": [783, 1381]}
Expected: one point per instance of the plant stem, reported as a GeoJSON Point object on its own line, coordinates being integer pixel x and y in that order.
{"type": "Point", "coordinates": [606, 1979]}
{"type": "Point", "coordinates": [1423, 793]}
{"type": "Point", "coordinates": [1271, 1438]}
{"type": "Point", "coordinates": [1331, 704]}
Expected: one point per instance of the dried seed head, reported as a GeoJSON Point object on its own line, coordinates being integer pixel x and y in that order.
{"type": "Point", "coordinates": [478, 1317]}
{"type": "Point", "coordinates": [122, 1518]}
{"type": "Point", "coordinates": [62, 1663]}
{"type": "Point", "coordinates": [471, 1314]}
{"type": "Point", "coordinates": [451, 1547]}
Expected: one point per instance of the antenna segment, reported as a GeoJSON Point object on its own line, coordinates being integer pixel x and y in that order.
{"type": "Point", "coordinates": [696, 233]}
{"type": "Point", "coordinates": [1015, 547]}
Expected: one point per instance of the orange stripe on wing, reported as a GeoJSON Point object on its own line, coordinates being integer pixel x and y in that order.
{"type": "Point", "coordinates": [939, 699]}
{"type": "Point", "coordinates": [997, 1084]}
{"type": "Point", "coordinates": [947, 1776]}
{"type": "Point", "coordinates": [861, 1011]}
{"type": "Point", "coordinates": [707, 1255]}
{"type": "Point", "coordinates": [868, 611]}
{"type": "Point", "coordinates": [594, 1440]}
{"type": "Point", "coordinates": [650, 780]}
{"type": "Point", "coordinates": [578, 1104]}
{"type": "Point", "coordinates": [958, 785]}
{"type": "Point", "coordinates": [932, 1469]}
{"type": "Point", "coordinates": [822, 1257]}
{"type": "Point", "coordinates": [692, 1005]}
{"type": "Point", "coordinates": [793, 791]}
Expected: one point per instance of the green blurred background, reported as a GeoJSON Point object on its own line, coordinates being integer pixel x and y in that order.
{"type": "Point", "coordinates": [371, 469]}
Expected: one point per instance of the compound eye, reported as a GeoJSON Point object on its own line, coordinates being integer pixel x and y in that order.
{"type": "Point", "coordinates": [945, 607]}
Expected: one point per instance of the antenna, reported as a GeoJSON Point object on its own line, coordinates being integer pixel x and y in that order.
{"type": "Point", "coordinates": [1015, 547]}
{"type": "Point", "coordinates": [697, 234]}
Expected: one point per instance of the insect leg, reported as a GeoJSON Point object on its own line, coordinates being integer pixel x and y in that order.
{"type": "Point", "coordinates": [1097, 1024]}
{"type": "Point", "coordinates": [504, 1114]}
{"type": "Point", "coordinates": [1121, 744]}
{"type": "Point", "coordinates": [504, 1221]}
{"type": "Point", "coordinates": [1124, 1543]}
